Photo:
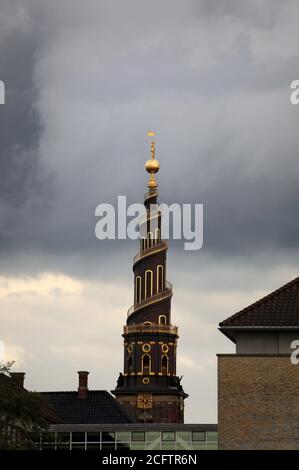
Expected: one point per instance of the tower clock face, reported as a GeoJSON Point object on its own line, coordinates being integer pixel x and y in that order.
{"type": "Point", "coordinates": [144, 401]}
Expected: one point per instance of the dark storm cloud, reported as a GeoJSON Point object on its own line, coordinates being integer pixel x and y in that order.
{"type": "Point", "coordinates": [88, 82]}
{"type": "Point", "coordinates": [22, 186]}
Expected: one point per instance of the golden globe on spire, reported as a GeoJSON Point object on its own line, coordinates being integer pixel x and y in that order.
{"type": "Point", "coordinates": [152, 166]}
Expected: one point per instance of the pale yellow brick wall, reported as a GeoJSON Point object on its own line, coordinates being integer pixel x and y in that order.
{"type": "Point", "coordinates": [258, 402]}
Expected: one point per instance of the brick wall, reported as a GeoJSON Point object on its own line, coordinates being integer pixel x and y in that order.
{"type": "Point", "coordinates": [166, 408]}
{"type": "Point", "coordinates": [258, 402]}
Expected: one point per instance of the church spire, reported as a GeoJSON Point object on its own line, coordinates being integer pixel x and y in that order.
{"type": "Point", "coordinates": [149, 387]}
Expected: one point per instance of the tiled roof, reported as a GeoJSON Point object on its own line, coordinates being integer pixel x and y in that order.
{"type": "Point", "coordinates": [99, 407]}
{"type": "Point", "coordinates": [278, 309]}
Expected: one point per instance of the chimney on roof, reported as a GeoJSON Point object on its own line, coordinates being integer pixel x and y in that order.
{"type": "Point", "coordinates": [83, 384]}
{"type": "Point", "coordinates": [18, 378]}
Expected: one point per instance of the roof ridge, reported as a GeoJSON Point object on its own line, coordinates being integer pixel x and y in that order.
{"type": "Point", "coordinates": [120, 407]}
{"type": "Point", "coordinates": [263, 299]}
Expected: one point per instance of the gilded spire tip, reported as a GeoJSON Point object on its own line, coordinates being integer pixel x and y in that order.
{"type": "Point", "coordinates": [152, 166]}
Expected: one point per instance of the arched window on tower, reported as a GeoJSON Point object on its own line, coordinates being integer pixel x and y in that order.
{"type": "Point", "coordinates": [157, 235]}
{"type": "Point", "coordinates": [160, 278]}
{"type": "Point", "coordinates": [164, 364]}
{"type": "Point", "coordinates": [148, 283]}
{"type": "Point", "coordinates": [138, 289]}
{"type": "Point", "coordinates": [150, 239]}
{"type": "Point", "coordinates": [146, 364]}
{"type": "Point", "coordinates": [130, 362]}
{"type": "Point", "coordinates": [162, 319]}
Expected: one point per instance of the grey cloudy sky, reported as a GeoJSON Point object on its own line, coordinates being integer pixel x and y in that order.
{"type": "Point", "coordinates": [84, 82]}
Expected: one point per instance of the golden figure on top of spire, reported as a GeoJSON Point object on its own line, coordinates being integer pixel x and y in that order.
{"type": "Point", "coordinates": [152, 166]}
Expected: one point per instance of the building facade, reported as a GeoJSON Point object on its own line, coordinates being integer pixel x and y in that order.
{"type": "Point", "coordinates": [258, 402]}
{"type": "Point", "coordinates": [149, 387]}
{"type": "Point", "coordinates": [138, 436]}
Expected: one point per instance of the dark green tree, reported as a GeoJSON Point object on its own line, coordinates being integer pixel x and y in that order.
{"type": "Point", "coordinates": [21, 413]}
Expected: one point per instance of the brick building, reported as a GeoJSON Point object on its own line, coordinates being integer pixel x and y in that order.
{"type": "Point", "coordinates": [258, 401]}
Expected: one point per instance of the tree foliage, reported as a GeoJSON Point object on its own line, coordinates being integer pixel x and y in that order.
{"type": "Point", "coordinates": [21, 412]}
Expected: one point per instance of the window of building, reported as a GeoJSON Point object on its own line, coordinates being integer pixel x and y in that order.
{"type": "Point", "coordinates": [93, 440]}
{"type": "Point", "coordinates": [146, 364]}
{"type": "Point", "coordinates": [168, 436]}
{"type": "Point", "coordinates": [198, 436]}
{"type": "Point", "coordinates": [184, 436]}
{"type": "Point", "coordinates": [123, 440]}
{"type": "Point", "coordinates": [138, 289]}
{"type": "Point", "coordinates": [148, 283]}
{"type": "Point", "coordinates": [108, 440]}
{"type": "Point", "coordinates": [130, 362]}
{"type": "Point", "coordinates": [143, 245]}
{"type": "Point", "coordinates": [63, 440]}
{"type": "Point", "coordinates": [138, 436]}
{"type": "Point", "coordinates": [164, 364]}
{"type": "Point", "coordinates": [78, 440]}
{"type": "Point", "coordinates": [212, 436]}
{"type": "Point", "coordinates": [108, 436]}
{"type": "Point", "coordinates": [160, 280]}
{"type": "Point", "coordinates": [150, 239]}
{"type": "Point", "coordinates": [157, 235]}
{"type": "Point", "coordinates": [162, 319]}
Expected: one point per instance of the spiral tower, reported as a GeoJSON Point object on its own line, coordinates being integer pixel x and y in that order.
{"type": "Point", "coordinates": [149, 387]}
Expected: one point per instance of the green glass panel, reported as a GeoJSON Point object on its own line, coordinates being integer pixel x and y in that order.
{"type": "Point", "coordinates": [138, 436]}
{"type": "Point", "coordinates": [183, 445]}
{"type": "Point", "coordinates": [212, 446]}
{"type": "Point", "coordinates": [198, 445]}
{"type": "Point", "coordinates": [123, 437]}
{"type": "Point", "coordinates": [212, 436]}
{"type": "Point", "coordinates": [168, 446]}
{"type": "Point", "coordinates": [198, 436]}
{"type": "Point", "coordinates": [152, 436]}
{"type": "Point", "coordinates": [168, 436]}
{"type": "Point", "coordinates": [183, 436]}
{"type": "Point", "coordinates": [137, 445]}
{"type": "Point", "coordinates": [155, 445]}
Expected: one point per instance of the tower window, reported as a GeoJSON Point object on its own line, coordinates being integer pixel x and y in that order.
{"type": "Point", "coordinates": [146, 364]}
{"type": "Point", "coordinates": [130, 362]}
{"type": "Point", "coordinates": [148, 283]}
{"type": "Point", "coordinates": [138, 289]}
{"type": "Point", "coordinates": [157, 235]}
{"type": "Point", "coordinates": [162, 319]}
{"type": "Point", "coordinates": [160, 278]}
{"type": "Point", "coordinates": [150, 239]}
{"type": "Point", "coordinates": [164, 364]}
